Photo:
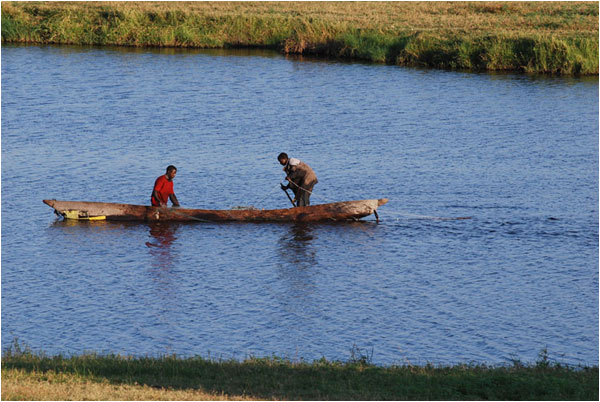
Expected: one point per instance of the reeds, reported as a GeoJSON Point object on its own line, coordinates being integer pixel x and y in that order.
{"type": "Point", "coordinates": [541, 37]}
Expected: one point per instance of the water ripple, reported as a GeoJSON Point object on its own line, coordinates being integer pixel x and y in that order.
{"type": "Point", "coordinates": [517, 154]}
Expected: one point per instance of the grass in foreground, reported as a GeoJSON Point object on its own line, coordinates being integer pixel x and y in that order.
{"type": "Point", "coordinates": [28, 376]}
{"type": "Point", "coordinates": [541, 37]}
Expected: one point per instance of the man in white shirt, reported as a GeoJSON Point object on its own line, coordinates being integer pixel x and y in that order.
{"type": "Point", "coordinates": [301, 178]}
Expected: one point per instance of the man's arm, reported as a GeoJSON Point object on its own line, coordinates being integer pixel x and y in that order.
{"type": "Point", "coordinates": [155, 196]}
{"type": "Point", "coordinates": [173, 199]}
{"type": "Point", "coordinates": [295, 177]}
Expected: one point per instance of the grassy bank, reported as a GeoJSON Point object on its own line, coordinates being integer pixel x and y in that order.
{"type": "Point", "coordinates": [28, 376]}
{"type": "Point", "coordinates": [540, 37]}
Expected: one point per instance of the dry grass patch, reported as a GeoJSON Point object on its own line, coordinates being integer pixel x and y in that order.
{"type": "Point", "coordinates": [498, 17]}
{"type": "Point", "coordinates": [19, 385]}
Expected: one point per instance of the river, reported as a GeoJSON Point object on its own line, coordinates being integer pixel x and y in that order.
{"type": "Point", "coordinates": [516, 153]}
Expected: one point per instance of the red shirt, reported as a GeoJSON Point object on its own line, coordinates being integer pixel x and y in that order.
{"type": "Point", "coordinates": [163, 188]}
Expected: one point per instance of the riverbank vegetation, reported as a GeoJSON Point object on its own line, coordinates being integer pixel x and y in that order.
{"type": "Point", "coordinates": [537, 37]}
{"type": "Point", "coordinates": [30, 376]}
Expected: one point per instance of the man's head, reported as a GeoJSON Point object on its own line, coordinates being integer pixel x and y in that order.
{"type": "Point", "coordinates": [171, 172]}
{"type": "Point", "coordinates": [283, 158]}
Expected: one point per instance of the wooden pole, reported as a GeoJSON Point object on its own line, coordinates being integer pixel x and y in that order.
{"type": "Point", "coordinates": [289, 198]}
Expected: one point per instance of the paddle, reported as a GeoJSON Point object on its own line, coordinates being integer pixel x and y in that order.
{"type": "Point", "coordinates": [288, 196]}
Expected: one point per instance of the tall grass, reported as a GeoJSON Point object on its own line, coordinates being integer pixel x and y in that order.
{"type": "Point", "coordinates": [26, 375]}
{"type": "Point", "coordinates": [544, 37]}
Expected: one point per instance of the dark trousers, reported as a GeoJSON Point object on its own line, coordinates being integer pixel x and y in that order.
{"type": "Point", "coordinates": [303, 196]}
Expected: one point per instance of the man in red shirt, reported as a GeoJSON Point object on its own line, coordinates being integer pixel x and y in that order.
{"type": "Point", "coordinates": [163, 189]}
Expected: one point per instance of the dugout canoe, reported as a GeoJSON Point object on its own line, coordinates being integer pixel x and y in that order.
{"type": "Point", "coordinates": [336, 211]}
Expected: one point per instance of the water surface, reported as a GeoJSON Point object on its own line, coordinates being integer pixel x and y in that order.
{"type": "Point", "coordinates": [518, 154]}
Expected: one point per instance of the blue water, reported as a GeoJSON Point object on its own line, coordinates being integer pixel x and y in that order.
{"type": "Point", "coordinates": [518, 154]}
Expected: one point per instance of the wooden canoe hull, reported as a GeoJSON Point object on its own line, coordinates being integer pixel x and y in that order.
{"type": "Point", "coordinates": [337, 211]}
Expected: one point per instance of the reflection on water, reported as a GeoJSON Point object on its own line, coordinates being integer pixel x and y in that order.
{"type": "Point", "coordinates": [162, 238]}
{"type": "Point", "coordinates": [165, 51]}
{"type": "Point", "coordinates": [296, 269]}
{"type": "Point", "coordinates": [295, 246]}
{"type": "Point", "coordinates": [163, 235]}
{"type": "Point", "coordinates": [66, 223]}
{"type": "Point", "coordinates": [89, 231]}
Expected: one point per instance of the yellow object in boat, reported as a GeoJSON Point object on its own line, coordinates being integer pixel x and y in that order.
{"type": "Point", "coordinates": [75, 214]}
{"type": "Point", "coordinates": [95, 218]}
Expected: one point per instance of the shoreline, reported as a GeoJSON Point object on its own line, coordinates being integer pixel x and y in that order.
{"type": "Point", "coordinates": [36, 376]}
{"type": "Point", "coordinates": [554, 38]}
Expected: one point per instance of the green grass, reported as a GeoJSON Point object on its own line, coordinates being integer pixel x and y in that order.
{"type": "Point", "coordinates": [280, 379]}
{"type": "Point", "coordinates": [544, 37]}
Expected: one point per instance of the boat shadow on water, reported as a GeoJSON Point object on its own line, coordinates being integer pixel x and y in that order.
{"type": "Point", "coordinates": [303, 256]}
{"type": "Point", "coordinates": [297, 244]}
